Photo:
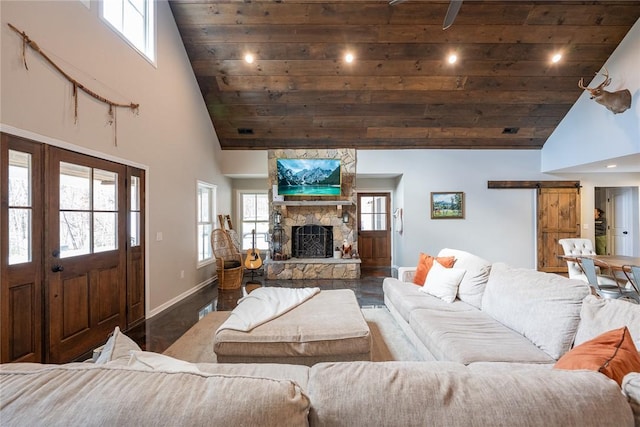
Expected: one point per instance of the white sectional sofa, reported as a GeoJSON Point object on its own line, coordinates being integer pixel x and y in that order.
{"type": "Point", "coordinates": [326, 394]}
{"type": "Point", "coordinates": [501, 313]}
{"type": "Point", "coordinates": [489, 358]}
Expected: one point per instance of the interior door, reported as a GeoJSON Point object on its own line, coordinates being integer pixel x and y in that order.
{"type": "Point", "coordinates": [558, 218]}
{"type": "Point", "coordinates": [85, 263]}
{"type": "Point", "coordinates": [21, 217]}
{"type": "Point", "coordinates": [620, 222]}
{"type": "Point", "coordinates": [374, 229]}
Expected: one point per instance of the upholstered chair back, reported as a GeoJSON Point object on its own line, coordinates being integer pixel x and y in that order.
{"type": "Point", "coordinates": [577, 247]}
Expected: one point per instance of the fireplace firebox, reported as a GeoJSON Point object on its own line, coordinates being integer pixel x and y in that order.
{"type": "Point", "coordinates": [312, 241]}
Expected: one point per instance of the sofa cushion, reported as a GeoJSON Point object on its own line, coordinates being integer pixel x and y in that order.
{"type": "Point", "coordinates": [89, 394]}
{"type": "Point", "coordinates": [543, 307]}
{"type": "Point", "coordinates": [599, 315]}
{"type": "Point", "coordinates": [631, 389]}
{"type": "Point", "coordinates": [425, 263]}
{"type": "Point", "coordinates": [444, 394]}
{"type": "Point", "coordinates": [406, 297]}
{"type": "Point", "coordinates": [612, 353]}
{"type": "Point", "coordinates": [472, 336]}
{"type": "Point", "coordinates": [118, 348]}
{"type": "Point", "coordinates": [474, 281]}
{"type": "Point", "coordinates": [159, 362]}
{"type": "Point", "coordinates": [278, 371]}
{"type": "Point", "coordinates": [443, 282]}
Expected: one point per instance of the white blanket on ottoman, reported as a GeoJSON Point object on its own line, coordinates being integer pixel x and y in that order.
{"type": "Point", "coordinates": [264, 304]}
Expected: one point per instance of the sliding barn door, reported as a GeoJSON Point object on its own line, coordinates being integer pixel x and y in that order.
{"type": "Point", "coordinates": [558, 218]}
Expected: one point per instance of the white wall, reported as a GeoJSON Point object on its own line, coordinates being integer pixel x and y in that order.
{"type": "Point", "coordinates": [498, 224]}
{"type": "Point", "coordinates": [590, 132]}
{"type": "Point", "coordinates": [172, 137]}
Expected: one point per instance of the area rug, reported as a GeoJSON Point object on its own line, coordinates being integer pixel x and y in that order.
{"type": "Point", "coordinates": [389, 342]}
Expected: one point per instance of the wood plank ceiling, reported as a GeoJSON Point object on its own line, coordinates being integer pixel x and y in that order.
{"type": "Point", "coordinates": [400, 92]}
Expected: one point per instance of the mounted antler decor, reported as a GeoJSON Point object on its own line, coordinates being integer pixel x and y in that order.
{"type": "Point", "coordinates": [617, 102]}
{"type": "Point", "coordinates": [26, 41]}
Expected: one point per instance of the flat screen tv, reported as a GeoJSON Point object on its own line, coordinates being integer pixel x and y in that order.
{"type": "Point", "coordinates": [308, 177]}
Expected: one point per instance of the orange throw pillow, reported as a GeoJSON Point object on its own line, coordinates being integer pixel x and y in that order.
{"type": "Point", "coordinates": [612, 353]}
{"type": "Point", "coordinates": [425, 262]}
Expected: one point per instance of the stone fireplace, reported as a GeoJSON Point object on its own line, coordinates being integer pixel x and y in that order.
{"type": "Point", "coordinates": [309, 228]}
{"type": "Point", "coordinates": [312, 241]}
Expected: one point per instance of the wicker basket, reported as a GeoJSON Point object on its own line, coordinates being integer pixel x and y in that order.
{"type": "Point", "coordinates": [228, 260]}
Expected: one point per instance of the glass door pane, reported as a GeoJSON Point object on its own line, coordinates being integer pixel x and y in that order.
{"type": "Point", "coordinates": [134, 212]}
{"type": "Point", "coordinates": [20, 207]}
{"type": "Point", "coordinates": [88, 210]}
{"type": "Point", "coordinates": [373, 213]}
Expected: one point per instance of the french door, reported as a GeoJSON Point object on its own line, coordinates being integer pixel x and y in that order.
{"type": "Point", "coordinates": [73, 255]}
{"type": "Point", "coordinates": [85, 267]}
{"type": "Point", "coordinates": [21, 269]}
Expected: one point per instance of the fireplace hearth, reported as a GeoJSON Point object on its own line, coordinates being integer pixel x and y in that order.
{"type": "Point", "coordinates": [312, 241]}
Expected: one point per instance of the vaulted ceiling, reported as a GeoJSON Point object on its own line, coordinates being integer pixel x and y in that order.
{"type": "Point", "coordinates": [400, 91]}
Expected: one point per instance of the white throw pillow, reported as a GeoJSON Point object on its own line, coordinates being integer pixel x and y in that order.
{"type": "Point", "coordinates": [147, 360]}
{"type": "Point", "coordinates": [443, 282]}
{"type": "Point", "coordinates": [118, 347]}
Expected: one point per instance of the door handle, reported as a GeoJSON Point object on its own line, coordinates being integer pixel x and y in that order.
{"type": "Point", "coordinates": [625, 232]}
{"type": "Point", "coordinates": [57, 268]}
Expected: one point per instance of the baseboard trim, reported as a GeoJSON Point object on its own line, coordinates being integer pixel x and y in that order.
{"type": "Point", "coordinates": [180, 297]}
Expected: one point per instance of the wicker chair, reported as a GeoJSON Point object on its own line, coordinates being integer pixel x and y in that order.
{"type": "Point", "coordinates": [228, 260]}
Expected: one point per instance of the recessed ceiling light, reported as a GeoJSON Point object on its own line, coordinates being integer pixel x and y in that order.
{"type": "Point", "coordinates": [452, 58]}
{"type": "Point", "coordinates": [248, 58]}
{"type": "Point", "coordinates": [556, 58]}
{"type": "Point", "coordinates": [611, 166]}
{"type": "Point", "coordinates": [349, 58]}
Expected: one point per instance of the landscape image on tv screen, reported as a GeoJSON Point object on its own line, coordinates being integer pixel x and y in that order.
{"type": "Point", "coordinates": [308, 177]}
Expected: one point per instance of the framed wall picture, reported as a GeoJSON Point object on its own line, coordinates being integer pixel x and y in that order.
{"type": "Point", "coordinates": [447, 205]}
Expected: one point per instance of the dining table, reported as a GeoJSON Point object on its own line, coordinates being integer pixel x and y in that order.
{"type": "Point", "coordinates": [621, 263]}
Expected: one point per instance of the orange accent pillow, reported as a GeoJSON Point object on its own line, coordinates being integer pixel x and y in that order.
{"type": "Point", "coordinates": [612, 353]}
{"type": "Point", "coordinates": [425, 262]}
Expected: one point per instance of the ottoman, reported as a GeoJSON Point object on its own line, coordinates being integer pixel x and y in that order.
{"type": "Point", "coordinates": [326, 328]}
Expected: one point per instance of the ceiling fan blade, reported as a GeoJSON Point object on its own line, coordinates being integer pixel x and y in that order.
{"type": "Point", "coordinates": [392, 2]}
{"type": "Point", "coordinates": [452, 12]}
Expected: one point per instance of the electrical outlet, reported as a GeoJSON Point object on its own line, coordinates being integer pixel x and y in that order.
{"type": "Point", "coordinates": [182, 274]}
{"type": "Point", "coordinates": [159, 236]}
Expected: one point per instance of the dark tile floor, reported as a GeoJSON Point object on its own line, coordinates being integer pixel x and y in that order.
{"type": "Point", "coordinates": [159, 332]}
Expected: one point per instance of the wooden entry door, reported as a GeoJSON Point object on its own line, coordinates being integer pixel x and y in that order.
{"type": "Point", "coordinates": [85, 258]}
{"type": "Point", "coordinates": [374, 229]}
{"type": "Point", "coordinates": [21, 228]}
{"type": "Point", "coordinates": [558, 218]}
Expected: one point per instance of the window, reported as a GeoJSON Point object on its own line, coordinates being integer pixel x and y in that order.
{"type": "Point", "coordinates": [206, 215]}
{"type": "Point", "coordinates": [255, 216]}
{"type": "Point", "coordinates": [133, 20]}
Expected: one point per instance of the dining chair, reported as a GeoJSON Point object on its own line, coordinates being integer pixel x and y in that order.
{"type": "Point", "coordinates": [579, 247]}
{"type": "Point", "coordinates": [613, 291]}
{"type": "Point", "coordinates": [635, 274]}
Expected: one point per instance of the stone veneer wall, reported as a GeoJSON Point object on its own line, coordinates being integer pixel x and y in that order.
{"type": "Point", "coordinates": [319, 214]}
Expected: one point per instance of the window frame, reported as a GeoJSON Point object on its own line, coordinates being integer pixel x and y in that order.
{"type": "Point", "coordinates": [149, 52]}
{"type": "Point", "coordinates": [241, 220]}
{"type": "Point", "coordinates": [213, 191]}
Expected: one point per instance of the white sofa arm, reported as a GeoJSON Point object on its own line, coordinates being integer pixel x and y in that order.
{"type": "Point", "coordinates": [405, 274]}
